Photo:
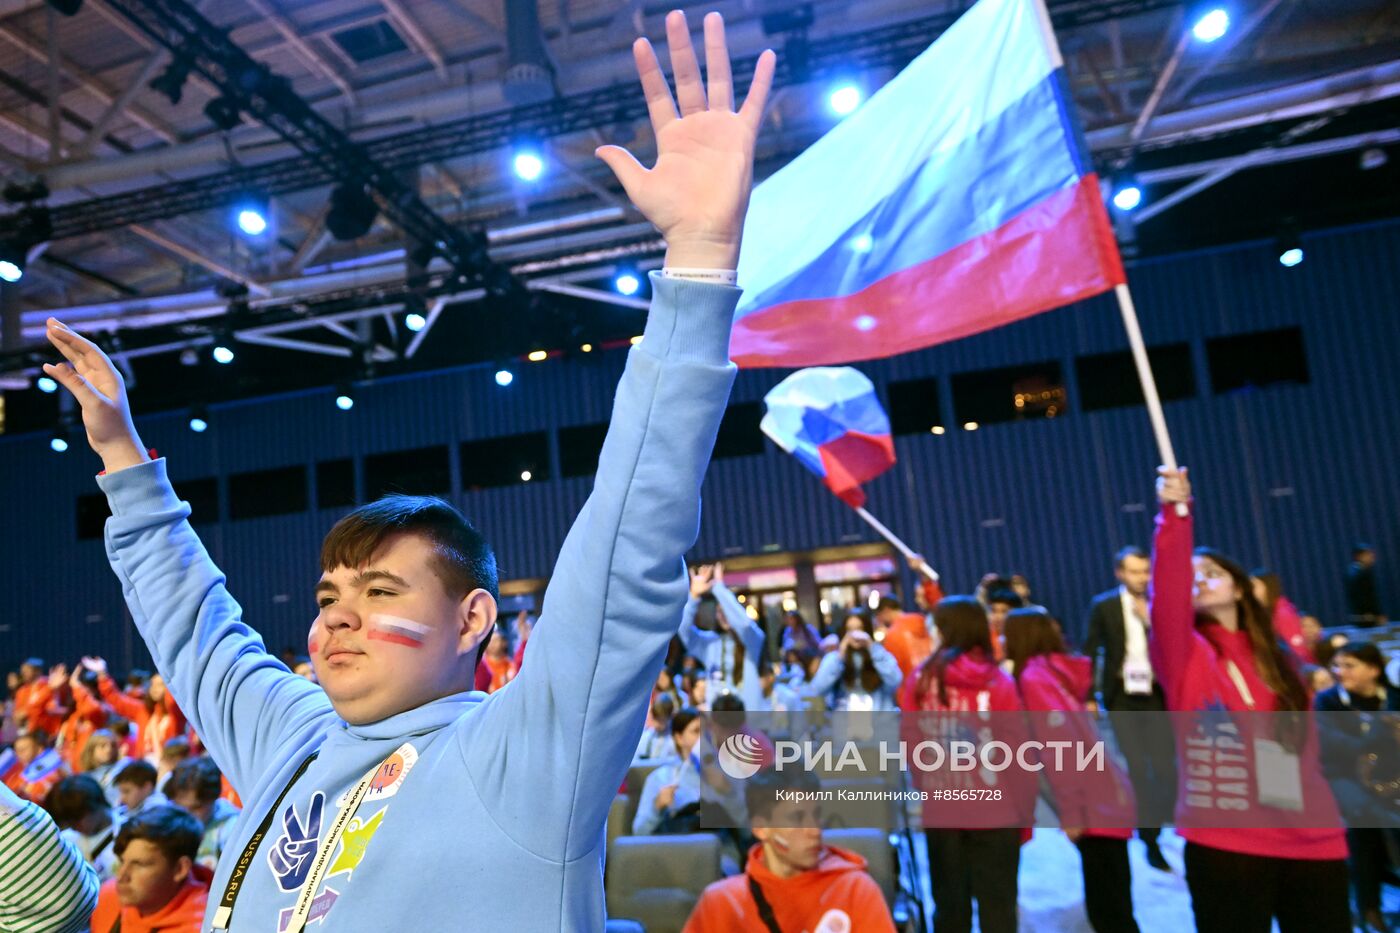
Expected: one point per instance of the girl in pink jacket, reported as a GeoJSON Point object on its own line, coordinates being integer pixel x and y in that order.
{"type": "Point", "coordinates": [1093, 807]}
{"type": "Point", "coordinates": [1264, 839]}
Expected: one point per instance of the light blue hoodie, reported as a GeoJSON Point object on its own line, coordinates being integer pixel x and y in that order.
{"type": "Point", "coordinates": [717, 651]}
{"type": "Point", "coordinates": [500, 824]}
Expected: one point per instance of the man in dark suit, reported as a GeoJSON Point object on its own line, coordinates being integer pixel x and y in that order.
{"type": "Point", "coordinates": [1363, 599]}
{"type": "Point", "coordinates": [1123, 682]}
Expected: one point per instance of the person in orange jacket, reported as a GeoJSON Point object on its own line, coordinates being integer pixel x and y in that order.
{"type": "Point", "coordinates": [157, 718]}
{"type": "Point", "coordinates": [49, 702]}
{"type": "Point", "coordinates": [35, 767]}
{"type": "Point", "coordinates": [793, 882]}
{"type": "Point", "coordinates": [159, 887]}
{"type": "Point", "coordinates": [89, 714]}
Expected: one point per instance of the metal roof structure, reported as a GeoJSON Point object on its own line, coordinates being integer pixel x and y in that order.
{"type": "Point", "coordinates": [1232, 140]}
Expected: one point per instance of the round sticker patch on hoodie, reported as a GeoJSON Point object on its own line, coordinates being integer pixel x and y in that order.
{"type": "Point", "coordinates": [390, 776]}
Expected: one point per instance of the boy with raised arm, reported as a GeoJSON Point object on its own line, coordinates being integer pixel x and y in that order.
{"type": "Point", "coordinates": [396, 798]}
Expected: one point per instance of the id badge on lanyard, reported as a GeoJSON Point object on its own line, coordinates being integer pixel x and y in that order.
{"type": "Point", "coordinates": [1137, 678]}
{"type": "Point", "coordinates": [1278, 775]}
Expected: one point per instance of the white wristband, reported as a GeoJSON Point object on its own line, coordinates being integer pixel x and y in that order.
{"type": "Point", "coordinates": [713, 276]}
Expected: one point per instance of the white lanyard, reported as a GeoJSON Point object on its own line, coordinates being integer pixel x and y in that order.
{"type": "Point", "coordinates": [327, 846]}
{"type": "Point", "coordinates": [1240, 685]}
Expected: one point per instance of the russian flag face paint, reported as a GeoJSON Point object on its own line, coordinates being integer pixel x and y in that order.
{"type": "Point", "coordinates": [313, 646]}
{"type": "Point", "coordinates": [397, 631]}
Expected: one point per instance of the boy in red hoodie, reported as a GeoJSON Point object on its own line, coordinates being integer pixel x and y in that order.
{"type": "Point", "coordinates": [792, 883]}
{"type": "Point", "coordinates": [159, 888]}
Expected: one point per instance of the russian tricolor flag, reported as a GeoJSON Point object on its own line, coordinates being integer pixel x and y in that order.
{"type": "Point", "coordinates": [957, 199]}
{"type": "Point", "coordinates": [830, 419]}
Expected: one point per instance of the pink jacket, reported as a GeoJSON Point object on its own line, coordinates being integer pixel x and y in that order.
{"type": "Point", "coordinates": [1092, 802]}
{"type": "Point", "coordinates": [1192, 658]}
{"type": "Point", "coordinates": [974, 684]}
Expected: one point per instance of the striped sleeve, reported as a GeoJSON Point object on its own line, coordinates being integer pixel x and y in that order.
{"type": "Point", "coordinates": [45, 884]}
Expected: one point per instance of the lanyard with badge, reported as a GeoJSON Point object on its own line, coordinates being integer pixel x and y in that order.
{"type": "Point", "coordinates": [223, 916]}
{"type": "Point", "coordinates": [1137, 670]}
{"type": "Point", "coordinates": [1278, 776]}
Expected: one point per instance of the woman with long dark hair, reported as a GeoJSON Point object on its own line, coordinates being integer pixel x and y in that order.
{"type": "Point", "coordinates": [1052, 680]}
{"type": "Point", "coordinates": [967, 865]}
{"type": "Point", "coordinates": [860, 675]}
{"type": "Point", "coordinates": [1214, 649]}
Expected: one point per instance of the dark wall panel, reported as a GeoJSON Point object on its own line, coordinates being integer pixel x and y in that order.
{"type": "Point", "coordinates": [1286, 475]}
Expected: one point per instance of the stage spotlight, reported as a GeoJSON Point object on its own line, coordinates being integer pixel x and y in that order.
{"type": "Point", "coordinates": [1290, 251]}
{"type": "Point", "coordinates": [352, 212]}
{"type": "Point", "coordinates": [344, 398]}
{"type": "Point", "coordinates": [1127, 195]}
{"type": "Point", "coordinates": [223, 113]}
{"type": "Point", "coordinates": [526, 476]}
{"type": "Point", "coordinates": [223, 353]}
{"type": "Point", "coordinates": [171, 81]}
{"type": "Point", "coordinates": [251, 212]}
{"type": "Point", "coordinates": [844, 99]}
{"type": "Point", "coordinates": [528, 163]}
{"type": "Point", "coordinates": [538, 356]}
{"type": "Point", "coordinates": [199, 421]}
{"type": "Point", "coordinates": [627, 283]}
{"type": "Point", "coordinates": [58, 441]}
{"type": "Point", "coordinates": [1212, 25]}
{"type": "Point", "coordinates": [504, 377]}
{"type": "Point", "coordinates": [11, 261]}
{"type": "Point", "coordinates": [414, 321]}
{"type": "Point", "coordinates": [46, 385]}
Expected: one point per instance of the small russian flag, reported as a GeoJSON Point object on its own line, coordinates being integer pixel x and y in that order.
{"type": "Point", "coordinates": [41, 767]}
{"type": "Point", "coordinates": [830, 419]}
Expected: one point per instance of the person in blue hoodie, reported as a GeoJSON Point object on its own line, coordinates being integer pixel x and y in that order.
{"type": "Point", "coordinates": [397, 797]}
{"type": "Point", "coordinates": [731, 652]}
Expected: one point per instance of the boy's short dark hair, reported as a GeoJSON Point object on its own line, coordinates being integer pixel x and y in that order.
{"type": "Point", "coordinates": [1359, 548]}
{"type": "Point", "coordinates": [138, 772]}
{"type": "Point", "coordinates": [172, 830]}
{"type": "Point", "coordinates": [199, 776]}
{"type": "Point", "coordinates": [177, 748]}
{"type": "Point", "coordinates": [727, 703]}
{"type": "Point", "coordinates": [1123, 554]}
{"type": "Point", "coordinates": [761, 790]}
{"type": "Point", "coordinates": [73, 798]}
{"type": "Point", "coordinates": [1364, 651]}
{"type": "Point", "coordinates": [889, 604]}
{"type": "Point", "coordinates": [465, 562]}
{"type": "Point", "coordinates": [1007, 596]}
{"type": "Point", "coordinates": [683, 718]}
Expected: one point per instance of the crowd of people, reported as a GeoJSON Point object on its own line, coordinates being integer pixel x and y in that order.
{"type": "Point", "coordinates": [119, 801]}
{"type": "Point", "coordinates": [1185, 629]}
{"type": "Point", "coordinates": [133, 793]}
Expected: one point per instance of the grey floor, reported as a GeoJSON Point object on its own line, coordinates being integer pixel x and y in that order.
{"type": "Point", "coordinates": [1051, 898]}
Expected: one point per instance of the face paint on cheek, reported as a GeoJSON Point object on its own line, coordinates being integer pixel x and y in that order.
{"type": "Point", "coordinates": [312, 645]}
{"type": "Point", "coordinates": [397, 631]}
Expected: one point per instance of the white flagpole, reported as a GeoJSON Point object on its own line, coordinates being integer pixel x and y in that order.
{"type": "Point", "coordinates": [1149, 385]}
{"type": "Point", "coordinates": [894, 539]}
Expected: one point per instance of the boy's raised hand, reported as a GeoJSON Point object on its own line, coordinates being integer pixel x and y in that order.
{"type": "Point", "coordinates": [92, 379]}
{"type": "Point", "coordinates": [698, 191]}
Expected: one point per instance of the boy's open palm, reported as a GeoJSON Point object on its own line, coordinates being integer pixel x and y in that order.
{"type": "Point", "coordinates": [94, 382]}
